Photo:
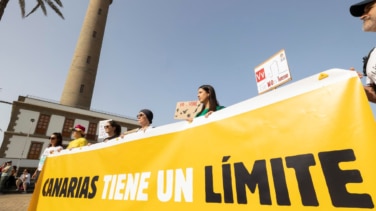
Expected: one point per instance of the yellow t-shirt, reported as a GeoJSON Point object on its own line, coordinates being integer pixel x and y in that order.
{"type": "Point", "coordinates": [80, 142]}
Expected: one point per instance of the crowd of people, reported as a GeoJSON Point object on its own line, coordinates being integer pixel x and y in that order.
{"type": "Point", "coordinates": [206, 95]}
{"type": "Point", "coordinates": [8, 178]}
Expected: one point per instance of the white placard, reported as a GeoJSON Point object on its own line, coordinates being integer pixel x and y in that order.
{"type": "Point", "coordinates": [273, 72]}
{"type": "Point", "coordinates": [101, 132]}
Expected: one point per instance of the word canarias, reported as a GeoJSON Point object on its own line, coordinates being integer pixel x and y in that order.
{"type": "Point", "coordinates": [70, 187]}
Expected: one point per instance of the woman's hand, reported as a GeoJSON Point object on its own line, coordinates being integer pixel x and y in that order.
{"type": "Point", "coordinates": [190, 119]}
{"type": "Point", "coordinates": [359, 73]}
{"type": "Point", "coordinates": [208, 114]}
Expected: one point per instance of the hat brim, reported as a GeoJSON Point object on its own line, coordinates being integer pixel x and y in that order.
{"type": "Point", "coordinates": [78, 130]}
{"type": "Point", "coordinates": [357, 10]}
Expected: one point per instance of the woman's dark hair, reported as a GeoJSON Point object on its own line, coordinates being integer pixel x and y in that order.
{"type": "Point", "coordinates": [59, 139]}
{"type": "Point", "coordinates": [213, 102]}
{"type": "Point", "coordinates": [117, 127]}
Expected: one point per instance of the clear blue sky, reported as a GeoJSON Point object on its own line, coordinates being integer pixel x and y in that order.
{"type": "Point", "coordinates": [157, 52]}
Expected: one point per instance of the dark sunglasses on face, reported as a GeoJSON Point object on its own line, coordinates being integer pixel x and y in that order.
{"type": "Point", "coordinates": [106, 126]}
{"type": "Point", "coordinates": [140, 115]}
{"type": "Point", "coordinates": [52, 138]}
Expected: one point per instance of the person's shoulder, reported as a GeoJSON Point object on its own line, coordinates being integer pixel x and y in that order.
{"type": "Point", "coordinates": [131, 131]}
{"type": "Point", "coordinates": [220, 107]}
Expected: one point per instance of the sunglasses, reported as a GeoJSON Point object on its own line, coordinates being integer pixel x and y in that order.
{"type": "Point", "coordinates": [106, 126]}
{"type": "Point", "coordinates": [140, 115]}
{"type": "Point", "coordinates": [52, 138]}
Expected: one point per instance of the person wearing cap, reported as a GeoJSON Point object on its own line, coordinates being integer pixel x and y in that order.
{"type": "Point", "coordinates": [78, 133]}
{"type": "Point", "coordinates": [366, 11]}
{"type": "Point", "coordinates": [5, 173]}
{"type": "Point", "coordinates": [145, 118]}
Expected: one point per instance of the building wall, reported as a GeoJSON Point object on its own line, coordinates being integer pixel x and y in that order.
{"type": "Point", "coordinates": [23, 126]}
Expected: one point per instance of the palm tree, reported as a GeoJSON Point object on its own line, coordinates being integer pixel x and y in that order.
{"type": "Point", "coordinates": [40, 3]}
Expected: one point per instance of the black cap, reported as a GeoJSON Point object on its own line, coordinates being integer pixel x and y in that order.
{"type": "Point", "coordinates": [357, 10]}
{"type": "Point", "coordinates": [148, 114]}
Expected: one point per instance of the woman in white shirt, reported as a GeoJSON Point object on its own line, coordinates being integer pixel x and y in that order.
{"type": "Point", "coordinates": [56, 145]}
{"type": "Point", "coordinates": [24, 179]}
{"type": "Point", "coordinates": [145, 118]}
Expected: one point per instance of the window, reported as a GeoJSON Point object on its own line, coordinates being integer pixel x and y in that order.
{"type": "Point", "coordinates": [88, 60]}
{"type": "Point", "coordinates": [35, 150]}
{"type": "Point", "coordinates": [42, 124]}
{"type": "Point", "coordinates": [67, 125]}
{"type": "Point", "coordinates": [82, 88]}
{"type": "Point", "coordinates": [91, 131]}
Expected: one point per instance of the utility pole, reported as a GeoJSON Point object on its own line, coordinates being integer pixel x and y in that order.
{"type": "Point", "coordinates": [27, 139]}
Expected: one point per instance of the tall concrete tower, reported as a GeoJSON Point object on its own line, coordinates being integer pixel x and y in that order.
{"type": "Point", "coordinates": [79, 86]}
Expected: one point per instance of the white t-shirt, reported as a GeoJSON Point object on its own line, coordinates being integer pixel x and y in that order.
{"type": "Point", "coordinates": [371, 68]}
{"type": "Point", "coordinates": [47, 151]}
{"type": "Point", "coordinates": [145, 130]}
{"type": "Point", "coordinates": [26, 177]}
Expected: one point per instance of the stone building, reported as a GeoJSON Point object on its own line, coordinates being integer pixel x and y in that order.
{"type": "Point", "coordinates": [33, 120]}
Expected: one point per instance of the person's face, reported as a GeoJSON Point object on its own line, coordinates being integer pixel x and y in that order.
{"type": "Point", "coordinates": [142, 119]}
{"type": "Point", "coordinates": [202, 95]}
{"type": "Point", "coordinates": [108, 128]}
{"type": "Point", "coordinates": [369, 18]}
{"type": "Point", "coordinates": [76, 134]}
{"type": "Point", "coordinates": [53, 139]}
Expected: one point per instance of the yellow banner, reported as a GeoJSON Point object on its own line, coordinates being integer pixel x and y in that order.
{"type": "Point", "coordinates": [311, 151]}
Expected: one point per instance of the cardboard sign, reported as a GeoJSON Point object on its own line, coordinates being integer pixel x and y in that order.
{"type": "Point", "coordinates": [187, 109]}
{"type": "Point", "coordinates": [272, 73]}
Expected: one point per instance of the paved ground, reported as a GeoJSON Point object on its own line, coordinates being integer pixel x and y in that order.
{"type": "Point", "coordinates": [15, 201]}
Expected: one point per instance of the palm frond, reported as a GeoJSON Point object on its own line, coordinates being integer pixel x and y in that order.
{"type": "Point", "coordinates": [22, 7]}
{"type": "Point", "coordinates": [55, 4]}
{"type": "Point", "coordinates": [3, 5]}
{"type": "Point", "coordinates": [58, 2]}
{"type": "Point", "coordinates": [40, 3]}
{"type": "Point", "coordinates": [33, 10]}
{"type": "Point", "coordinates": [42, 6]}
{"type": "Point", "coordinates": [54, 7]}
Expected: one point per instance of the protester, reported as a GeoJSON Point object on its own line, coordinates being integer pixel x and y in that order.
{"type": "Point", "coordinates": [78, 134]}
{"type": "Point", "coordinates": [366, 10]}
{"type": "Point", "coordinates": [113, 130]}
{"type": "Point", "coordinates": [206, 95]}
{"type": "Point", "coordinates": [24, 179]}
{"type": "Point", "coordinates": [145, 118]}
{"type": "Point", "coordinates": [56, 145]}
